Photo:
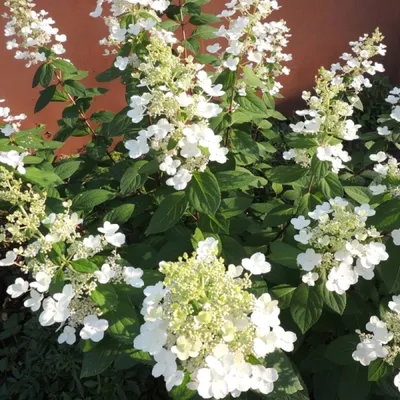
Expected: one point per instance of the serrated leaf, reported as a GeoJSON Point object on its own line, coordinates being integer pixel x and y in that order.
{"type": "Point", "coordinates": [120, 214]}
{"type": "Point", "coordinates": [251, 102]}
{"type": "Point", "coordinates": [339, 351]}
{"type": "Point", "coordinates": [306, 307]}
{"type": "Point", "coordinates": [67, 168]}
{"type": "Point", "coordinates": [91, 198]}
{"type": "Point", "coordinates": [387, 216]}
{"type": "Point", "coordinates": [360, 194]}
{"type": "Point", "coordinates": [287, 173]}
{"type": "Point", "coordinates": [203, 19]}
{"type": "Point", "coordinates": [204, 194]}
{"type": "Point", "coordinates": [331, 186]}
{"type": "Point", "coordinates": [42, 178]}
{"type": "Point", "coordinates": [46, 74]}
{"type": "Point", "coordinates": [230, 180]}
{"type": "Point", "coordinates": [191, 44]}
{"type": "Point", "coordinates": [284, 254]}
{"type": "Point", "coordinates": [45, 98]}
{"type": "Point", "coordinates": [319, 169]}
{"type": "Point", "coordinates": [204, 32]}
{"type": "Point", "coordinates": [354, 383]}
{"type": "Point", "coordinates": [168, 213]}
{"type": "Point", "coordinates": [378, 369]}
{"type": "Point", "coordinates": [105, 296]}
{"type": "Point", "coordinates": [336, 302]}
{"type": "Point", "coordinates": [288, 382]}
{"type": "Point", "coordinates": [389, 270]}
{"type": "Point", "coordinates": [64, 66]}
{"type": "Point", "coordinates": [131, 179]}
{"type": "Point", "coordinates": [283, 293]}
{"type": "Point", "coordinates": [84, 266]}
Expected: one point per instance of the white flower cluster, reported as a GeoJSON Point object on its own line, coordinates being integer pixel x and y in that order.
{"type": "Point", "coordinates": [180, 94]}
{"type": "Point", "coordinates": [54, 251]}
{"type": "Point", "coordinates": [31, 31]}
{"type": "Point", "coordinates": [383, 339]}
{"type": "Point", "coordinates": [145, 18]}
{"type": "Point", "coordinates": [73, 306]}
{"type": "Point", "coordinates": [249, 36]}
{"type": "Point", "coordinates": [388, 179]}
{"type": "Point", "coordinates": [201, 320]}
{"type": "Point", "coordinates": [342, 248]}
{"type": "Point", "coordinates": [328, 117]}
{"type": "Point", "coordinates": [394, 100]}
{"type": "Point", "coordinates": [10, 123]}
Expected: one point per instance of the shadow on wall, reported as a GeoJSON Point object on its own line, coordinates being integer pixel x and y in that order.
{"type": "Point", "coordinates": [321, 32]}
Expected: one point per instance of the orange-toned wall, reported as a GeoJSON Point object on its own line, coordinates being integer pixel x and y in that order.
{"type": "Point", "coordinates": [321, 31]}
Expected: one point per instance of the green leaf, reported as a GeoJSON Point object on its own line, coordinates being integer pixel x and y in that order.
{"type": "Point", "coordinates": [168, 213]}
{"type": "Point", "coordinates": [203, 19]}
{"type": "Point", "coordinates": [121, 125]}
{"type": "Point", "coordinates": [283, 293]}
{"type": "Point", "coordinates": [169, 25]}
{"type": "Point", "coordinates": [287, 173]}
{"type": "Point", "coordinates": [123, 321]}
{"type": "Point", "coordinates": [120, 214]}
{"type": "Point", "coordinates": [378, 369]}
{"type": "Point", "coordinates": [251, 78]}
{"type": "Point", "coordinates": [360, 194]}
{"type": "Point", "coordinates": [42, 178]}
{"type": "Point", "coordinates": [182, 392]}
{"type": "Point", "coordinates": [84, 266]}
{"type": "Point", "coordinates": [57, 283]}
{"type": "Point", "coordinates": [226, 78]}
{"type": "Point", "coordinates": [45, 98]}
{"type": "Point", "coordinates": [64, 66]}
{"type": "Point", "coordinates": [131, 180]}
{"type": "Point", "coordinates": [288, 382]}
{"type": "Point", "coordinates": [331, 186]}
{"type": "Point", "coordinates": [251, 102]}
{"type": "Point", "coordinates": [243, 143]}
{"type": "Point", "coordinates": [105, 297]}
{"type": "Point", "coordinates": [230, 180]}
{"type": "Point", "coordinates": [32, 139]}
{"type": "Point", "coordinates": [102, 116]}
{"type": "Point", "coordinates": [91, 198]}
{"type": "Point", "coordinates": [204, 32]}
{"type": "Point", "coordinates": [284, 254]}
{"type": "Point", "coordinates": [100, 358]}
{"type": "Point", "coordinates": [234, 206]}
{"type": "Point", "coordinates": [340, 350]}
{"type": "Point", "coordinates": [387, 216]}
{"type": "Point", "coordinates": [204, 194]}
{"type": "Point", "coordinates": [389, 270]}
{"type": "Point", "coordinates": [319, 168]}
{"type": "Point", "coordinates": [74, 88]}
{"type": "Point", "coordinates": [336, 302]}
{"type": "Point", "coordinates": [67, 168]}
{"type": "Point", "coordinates": [205, 58]}
{"type": "Point", "coordinates": [191, 44]}
{"type": "Point", "coordinates": [306, 307]}
{"type": "Point", "coordinates": [46, 74]}
{"type": "Point", "coordinates": [109, 75]}
{"type": "Point", "coordinates": [354, 383]}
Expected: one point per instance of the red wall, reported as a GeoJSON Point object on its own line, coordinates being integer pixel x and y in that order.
{"type": "Point", "coordinates": [321, 31]}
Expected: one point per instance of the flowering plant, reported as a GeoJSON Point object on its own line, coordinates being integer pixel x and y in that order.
{"type": "Point", "coordinates": [296, 230]}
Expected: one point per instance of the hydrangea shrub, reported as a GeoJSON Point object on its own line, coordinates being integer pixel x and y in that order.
{"type": "Point", "coordinates": [193, 234]}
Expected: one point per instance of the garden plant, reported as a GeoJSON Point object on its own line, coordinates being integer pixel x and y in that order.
{"type": "Point", "coordinates": [199, 239]}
